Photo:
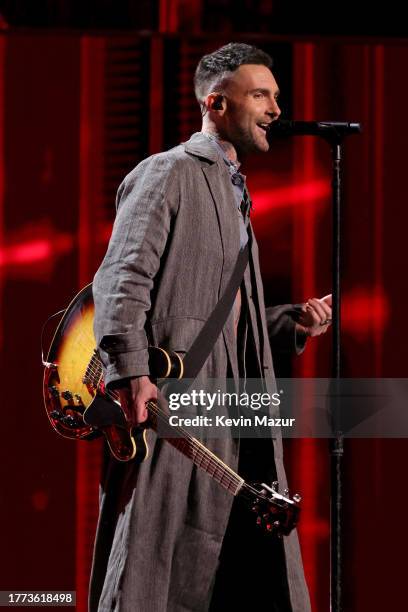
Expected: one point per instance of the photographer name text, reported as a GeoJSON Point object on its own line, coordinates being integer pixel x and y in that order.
{"type": "Point", "coordinates": [224, 421]}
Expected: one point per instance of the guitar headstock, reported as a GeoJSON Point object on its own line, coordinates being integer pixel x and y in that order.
{"type": "Point", "coordinates": [277, 512]}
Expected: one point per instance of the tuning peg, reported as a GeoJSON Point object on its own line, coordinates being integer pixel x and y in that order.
{"type": "Point", "coordinates": [286, 492]}
{"type": "Point", "coordinates": [275, 486]}
{"type": "Point", "coordinates": [297, 498]}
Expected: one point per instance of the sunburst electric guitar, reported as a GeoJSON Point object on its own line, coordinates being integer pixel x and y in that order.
{"type": "Point", "coordinates": [80, 407]}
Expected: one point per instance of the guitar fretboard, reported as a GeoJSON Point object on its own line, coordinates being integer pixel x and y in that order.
{"type": "Point", "coordinates": [178, 437]}
{"type": "Point", "coordinates": [197, 452]}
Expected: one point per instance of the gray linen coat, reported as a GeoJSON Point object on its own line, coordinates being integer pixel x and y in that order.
{"type": "Point", "coordinates": [174, 245]}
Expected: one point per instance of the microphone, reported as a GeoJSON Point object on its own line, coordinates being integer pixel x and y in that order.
{"type": "Point", "coordinates": [286, 127]}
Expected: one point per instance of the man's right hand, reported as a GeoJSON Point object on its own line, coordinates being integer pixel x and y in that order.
{"type": "Point", "coordinates": [133, 397]}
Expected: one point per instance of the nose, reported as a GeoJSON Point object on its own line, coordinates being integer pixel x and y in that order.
{"type": "Point", "coordinates": [274, 110]}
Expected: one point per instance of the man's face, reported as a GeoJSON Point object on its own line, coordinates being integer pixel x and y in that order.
{"type": "Point", "coordinates": [250, 105]}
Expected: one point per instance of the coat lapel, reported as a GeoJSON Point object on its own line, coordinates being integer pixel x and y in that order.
{"type": "Point", "coordinates": [220, 187]}
{"type": "Point", "coordinates": [221, 191]}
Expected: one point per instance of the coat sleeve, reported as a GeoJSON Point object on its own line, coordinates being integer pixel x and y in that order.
{"type": "Point", "coordinates": [147, 201]}
{"type": "Point", "coordinates": [281, 323]}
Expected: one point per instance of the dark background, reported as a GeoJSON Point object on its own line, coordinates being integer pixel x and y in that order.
{"type": "Point", "coordinates": [88, 91]}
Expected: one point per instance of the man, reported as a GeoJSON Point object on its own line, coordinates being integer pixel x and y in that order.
{"type": "Point", "coordinates": [176, 239]}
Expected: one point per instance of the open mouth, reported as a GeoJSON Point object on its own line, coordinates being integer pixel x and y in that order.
{"type": "Point", "coordinates": [263, 126]}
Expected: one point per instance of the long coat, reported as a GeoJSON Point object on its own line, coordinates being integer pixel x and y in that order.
{"type": "Point", "coordinates": [174, 245]}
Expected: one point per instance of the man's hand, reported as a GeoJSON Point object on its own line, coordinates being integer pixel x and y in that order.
{"type": "Point", "coordinates": [133, 397]}
{"type": "Point", "coordinates": [316, 316]}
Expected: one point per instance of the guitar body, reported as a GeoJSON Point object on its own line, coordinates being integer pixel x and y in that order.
{"type": "Point", "coordinates": [77, 403]}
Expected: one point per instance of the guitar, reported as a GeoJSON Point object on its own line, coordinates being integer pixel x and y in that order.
{"type": "Point", "coordinates": [79, 406]}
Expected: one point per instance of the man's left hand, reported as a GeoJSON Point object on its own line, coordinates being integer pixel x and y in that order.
{"type": "Point", "coordinates": [316, 316]}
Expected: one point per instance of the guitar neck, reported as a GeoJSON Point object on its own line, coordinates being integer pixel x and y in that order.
{"type": "Point", "coordinates": [190, 447]}
{"type": "Point", "coordinates": [178, 437]}
{"type": "Point", "coordinates": [197, 452]}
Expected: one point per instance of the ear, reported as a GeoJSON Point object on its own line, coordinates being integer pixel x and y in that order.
{"type": "Point", "coordinates": [215, 101]}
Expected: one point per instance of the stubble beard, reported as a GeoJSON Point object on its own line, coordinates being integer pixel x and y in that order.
{"type": "Point", "coordinates": [245, 142]}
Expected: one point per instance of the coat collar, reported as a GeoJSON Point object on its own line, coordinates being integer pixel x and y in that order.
{"type": "Point", "coordinates": [201, 146]}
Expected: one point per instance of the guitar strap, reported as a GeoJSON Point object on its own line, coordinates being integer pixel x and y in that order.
{"type": "Point", "coordinates": [202, 346]}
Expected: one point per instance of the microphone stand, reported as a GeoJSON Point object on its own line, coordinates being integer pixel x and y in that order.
{"type": "Point", "coordinates": [333, 133]}
{"type": "Point", "coordinates": [336, 445]}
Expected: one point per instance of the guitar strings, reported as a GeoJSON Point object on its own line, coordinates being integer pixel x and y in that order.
{"type": "Point", "coordinates": [198, 452]}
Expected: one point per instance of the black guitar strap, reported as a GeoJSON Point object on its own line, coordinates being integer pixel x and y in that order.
{"type": "Point", "coordinates": [202, 346]}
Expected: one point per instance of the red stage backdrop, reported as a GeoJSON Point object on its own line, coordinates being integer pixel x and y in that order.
{"type": "Point", "coordinates": [78, 111]}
